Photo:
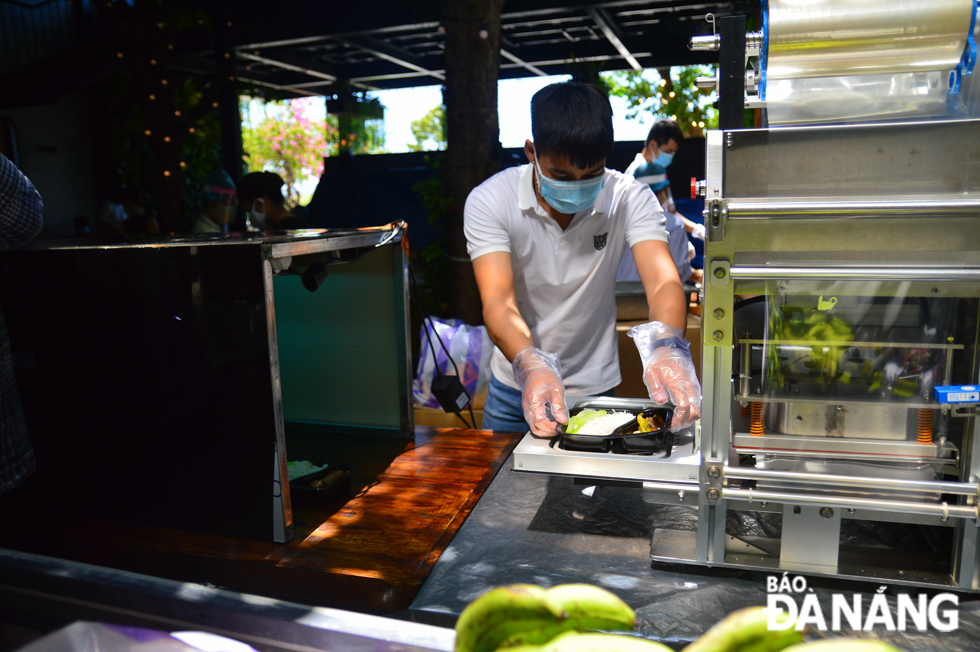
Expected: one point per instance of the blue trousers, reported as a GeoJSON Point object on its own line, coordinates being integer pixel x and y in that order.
{"type": "Point", "coordinates": [503, 410]}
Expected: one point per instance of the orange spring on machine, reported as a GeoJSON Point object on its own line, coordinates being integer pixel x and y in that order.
{"type": "Point", "coordinates": [756, 428]}
{"type": "Point", "coordinates": [745, 409]}
{"type": "Point", "coordinates": [923, 430]}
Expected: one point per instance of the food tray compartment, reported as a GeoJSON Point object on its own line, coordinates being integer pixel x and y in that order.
{"type": "Point", "coordinates": [647, 443]}
{"type": "Point", "coordinates": [303, 492]}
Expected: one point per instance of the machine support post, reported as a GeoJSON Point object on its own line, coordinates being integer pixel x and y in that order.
{"type": "Point", "coordinates": [731, 73]}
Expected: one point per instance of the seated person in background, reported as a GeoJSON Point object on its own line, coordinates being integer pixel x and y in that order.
{"type": "Point", "coordinates": [681, 250]}
{"type": "Point", "coordinates": [220, 201]}
{"type": "Point", "coordinates": [261, 196]}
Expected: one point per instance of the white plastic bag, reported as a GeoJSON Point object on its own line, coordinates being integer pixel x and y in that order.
{"type": "Point", "coordinates": [471, 349]}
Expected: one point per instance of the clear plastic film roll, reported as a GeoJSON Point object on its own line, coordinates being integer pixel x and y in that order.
{"type": "Point", "coordinates": [829, 38]}
{"type": "Point", "coordinates": [831, 61]}
{"type": "Point", "coordinates": [822, 100]}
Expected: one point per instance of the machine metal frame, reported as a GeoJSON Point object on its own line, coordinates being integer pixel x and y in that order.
{"type": "Point", "coordinates": [834, 220]}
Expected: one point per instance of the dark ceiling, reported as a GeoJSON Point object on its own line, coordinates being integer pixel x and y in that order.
{"type": "Point", "coordinates": [304, 47]}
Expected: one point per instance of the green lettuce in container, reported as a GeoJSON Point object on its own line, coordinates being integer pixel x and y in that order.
{"type": "Point", "coordinates": [575, 423]}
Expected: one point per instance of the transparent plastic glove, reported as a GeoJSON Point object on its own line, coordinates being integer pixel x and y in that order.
{"type": "Point", "coordinates": [699, 232]}
{"type": "Point", "coordinates": [539, 378]}
{"type": "Point", "coordinates": [668, 371]}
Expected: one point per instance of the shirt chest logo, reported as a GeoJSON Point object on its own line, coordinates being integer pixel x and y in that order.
{"type": "Point", "coordinates": [599, 240]}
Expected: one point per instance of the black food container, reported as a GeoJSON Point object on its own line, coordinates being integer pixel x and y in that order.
{"type": "Point", "coordinates": [625, 439]}
{"type": "Point", "coordinates": [337, 487]}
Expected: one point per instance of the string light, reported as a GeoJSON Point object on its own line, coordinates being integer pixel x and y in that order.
{"type": "Point", "coordinates": [147, 132]}
{"type": "Point", "coordinates": [170, 46]}
{"type": "Point", "coordinates": [690, 105]}
{"type": "Point", "coordinates": [671, 94]}
{"type": "Point", "coordinates": [177, 113]}
{"type": "Point", "coordinates": [674, 118]}
{"type": "Point", "coordinates": [152, 96]}
{"type": "Point", "coordinates": [214, 104]}
{"type": "Point", "coordinates": [183, 165]}
{"type": "Point", "coordinates": [166, 139]}
{"type": "Point", "coordinates": [163, 81]}
{"type": "Point", "coordinates": [119, 54]}
{"type": "Point", "coordinates": [191, 130]}
{"type": "Point", "coordinates": [153, 62]}
{"type": "Point", "coordinates": [701, 125]}
{"type": "Point", "coordinates": [160, 25]}
{"type": "Point", "coordinates": [663, 82]}
{"type": "Point", "coordinates": [166, 173]}
{"type": "Point", "coordinates": [227, 55]}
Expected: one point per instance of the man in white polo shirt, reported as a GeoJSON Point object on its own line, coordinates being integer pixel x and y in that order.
{"type": "Point", "coordinates": [546, 240]}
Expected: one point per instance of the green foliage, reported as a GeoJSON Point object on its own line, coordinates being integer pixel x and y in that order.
{"type": "Point", "coordinates": [367, 136]}
{"type": "Point", "coordinates": [430, 127]}
{"type": "Point", "coordinates": [129, 145]}
{"type": "Point", "coordinates": [282, 137]}
{"type": "Point", "coordinates": [675, 97]}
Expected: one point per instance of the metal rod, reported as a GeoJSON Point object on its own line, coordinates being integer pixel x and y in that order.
{"type": "Point", "coordinates": [704, 43]}
{"type": "Point", "coordinates": [667, 486]}
{"type": "Point", "coordinates": [910, 273]}
{"type": "Point", "coordinates": [959, 488]}
{"type": "Point", "coordinates": [837, 209]}
{"type": "Point", "coordinates": [745, 373]}
{"type": "Point", "coordinates": [712, 43]}
{"type": "Point", "coordinates": [943, 510]}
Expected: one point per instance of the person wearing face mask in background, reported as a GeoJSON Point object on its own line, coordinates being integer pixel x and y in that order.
{"type": "Point", "coordinates": [546, 240]}
{"type": "Point", "coordinates": [260, 194]}
{"type": "Point", "coordinates": [663, 142]}
{"type": "Point", "coordinates": [220, 201]}
{"type": "Point", "coordinates": [681, 248]}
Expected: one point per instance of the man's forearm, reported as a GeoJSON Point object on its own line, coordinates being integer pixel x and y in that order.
{"type": "Point", "coordinates": [669, 305]}
{"type": "Point", "coordinates": [507, 329]}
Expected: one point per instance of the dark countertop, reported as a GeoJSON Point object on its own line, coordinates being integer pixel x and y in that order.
{"type": "Point", "coordinates": [533, 528]}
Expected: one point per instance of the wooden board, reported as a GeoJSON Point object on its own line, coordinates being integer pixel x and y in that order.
{"type": "Point", "coordinates": [372, 553]}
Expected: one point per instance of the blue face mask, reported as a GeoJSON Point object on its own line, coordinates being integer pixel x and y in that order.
{"type": "Point", "coordinates": [569, 196]}
{"type": "Point", "coordinates": [665, 159]}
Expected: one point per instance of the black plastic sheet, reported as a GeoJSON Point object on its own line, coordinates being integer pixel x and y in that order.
{"type": "Point", "coordinates": [549, 530]}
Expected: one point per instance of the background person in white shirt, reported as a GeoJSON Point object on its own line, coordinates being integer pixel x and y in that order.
{"type": "Point", "coordinates": [681, 250]}
{"type": "Point", "coordinates": [663, 142]}
{"type": "Point", "coordinates": [546, 240]}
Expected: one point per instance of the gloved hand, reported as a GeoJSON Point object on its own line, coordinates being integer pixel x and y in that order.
{"type": "Point", "coordinates": [668, 371]}
{"type": "Point", "coordinates": [699, 232]}
{"type": "Point", "coordinates": [539, 379]}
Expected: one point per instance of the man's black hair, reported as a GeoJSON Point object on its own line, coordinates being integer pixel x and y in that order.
{"type": "Point", "coordinates": [664, 131]}
{"type": "Point", "coordinates": [572, 120]}
{"type": "Point", "coordinates": [256, 185]}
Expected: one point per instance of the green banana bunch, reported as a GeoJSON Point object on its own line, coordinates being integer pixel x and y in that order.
{"type": "Point", "coordinates": [528, 615]}
{"type": "Point", "coordinates": [584, 607]}
{"type": "Point", "coordinates": [746, 630]}
{"type": "Point", "coordinates": [590, 642]}
{"type": "Point", "coordinates": [501, 613]}
{"type": "Point", "coordinates": [844, 645]}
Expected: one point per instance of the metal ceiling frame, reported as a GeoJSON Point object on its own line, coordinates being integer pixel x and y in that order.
{"type": "Point", "coordinates": [397, 56]}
